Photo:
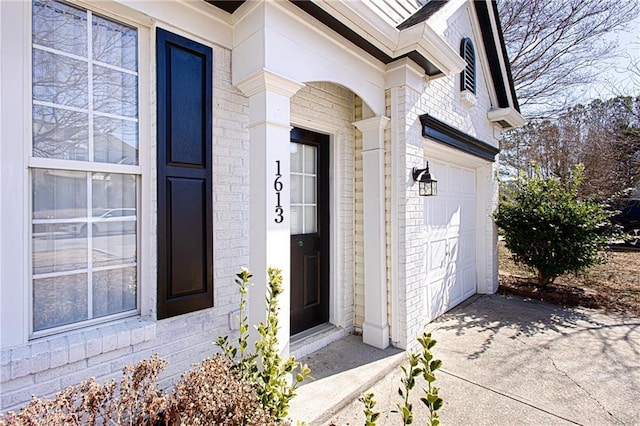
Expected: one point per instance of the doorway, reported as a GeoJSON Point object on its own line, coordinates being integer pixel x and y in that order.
{"type": "Point", "coordinates": [309, 229]}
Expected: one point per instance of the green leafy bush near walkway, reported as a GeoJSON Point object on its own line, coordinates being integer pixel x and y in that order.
{"type": "Point", "coordinates": [420, 364]}
{"type": "Point", "coordinates": [273, 382]}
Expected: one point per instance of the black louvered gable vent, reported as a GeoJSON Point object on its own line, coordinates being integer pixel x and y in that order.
{"type": "Point", "coordinates": [468, 77]}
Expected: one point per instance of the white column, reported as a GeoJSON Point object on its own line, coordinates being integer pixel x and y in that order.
{"type": "Point", "coordinates": [375, 330]}
{"type": "Point", "coordinates": [269, 236]}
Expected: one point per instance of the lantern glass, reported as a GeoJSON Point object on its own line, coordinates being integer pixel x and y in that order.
{"type": "Point", "coordinates": [428, 187]}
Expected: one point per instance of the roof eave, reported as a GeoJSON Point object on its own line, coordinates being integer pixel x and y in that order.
{"type": "Point", "coordinates": [507, 118]}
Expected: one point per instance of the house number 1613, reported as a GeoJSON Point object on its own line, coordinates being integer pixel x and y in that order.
{"type": "Point", "coordinates": [277, 185]}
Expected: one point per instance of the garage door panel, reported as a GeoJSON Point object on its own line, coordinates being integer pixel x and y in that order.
{"type": "Point", "coordinates": [468, 282]}
{"type": "Point", "coordinates": [452, 250]}
{"type": "Point", "coordinates": [455, 178]}
{"type": "Point", "coordinates": [439, 170]}
{"type": "Point", "coordinates": [437, 216]}
{"type": "Point", "coordinates": [450, 225]}
{"type": "Point", "coordinates": [468, 214]}
{"type": "Point", "coordinates": [468, 182]}
{"type": "Point", "coordinates": [435, 299]}
{"type": "Point", "coordinates": [467, 249]}
{"type": "Point", "coordinates": [454, 210]}
{"type": "Point", "coordinates": [437, 256]}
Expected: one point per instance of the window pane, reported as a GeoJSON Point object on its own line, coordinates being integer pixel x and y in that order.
{"type": "Point", "coordinates": [115, 44]}
{"type": "Point", "coordinates": [310, 190]}
{"type": "Point", "coordinates": [310, 159]}
{"type": "Point", "coordinates": [59, 133]}
{"type": "Point", "coordinates": [60, 27]}
{"type": "Point", "coordinates": [114, 219]}
{"type": "Point", "coordinates": [296, 158]}
{"type": "Point", "coordinates": [114, 291]}
{"type": "Point", "coordinates": [59, 79]}
{"type": "Point", "coordinates": [296, 189]}
{"type": "Point", "coordinates": [64, 237]}
{"type": "Point", "coordinates": [114, 243]}
{"type": "Point", "coordinates": [60, 248]}
{"type": "Point", "coordinates": [296, 220]}
{"type": "Point", "coordinates": [83, 222]}
{"type": "Point", "coordinates": [310, 220]}
{"type": "Point", "coordinates": [59, 301]}
{"type": "Point", "coordinates": [115, 141]}
{"type": "Point", "coordinates": [59, 194]}
{"type": "Point", "coordinates": [115, 92]}
{"type": "Point", "coordinates": [113, 191]}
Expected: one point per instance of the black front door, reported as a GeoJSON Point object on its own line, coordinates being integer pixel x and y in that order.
{"type": "Point", "coordinates": [309, 229]}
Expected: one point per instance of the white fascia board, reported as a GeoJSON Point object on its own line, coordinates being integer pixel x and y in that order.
{"type": "Point", "coordinates": [422, 38]}
{"type": "Point", "coordinates": [506, 115]}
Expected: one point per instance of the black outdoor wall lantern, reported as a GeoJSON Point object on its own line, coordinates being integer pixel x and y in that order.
{"type": "Point", "coordinates": [427, 184]}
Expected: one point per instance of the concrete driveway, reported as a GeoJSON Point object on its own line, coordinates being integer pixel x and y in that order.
{"type": "Point", "coordinates": [507, 361]}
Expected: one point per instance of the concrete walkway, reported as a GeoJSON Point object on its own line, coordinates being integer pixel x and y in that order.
{"type": "Point", "coordinates": [507, 361]}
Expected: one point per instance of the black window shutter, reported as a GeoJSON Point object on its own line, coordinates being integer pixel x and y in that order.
{"type": "Point", "coordinates": [468, 76]}
{"type": "Point", "coordinates": [185, 228]}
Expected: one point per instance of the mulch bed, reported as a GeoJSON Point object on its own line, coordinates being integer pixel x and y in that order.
{"type": "Point", "coordinates": [613, 286]}
{"type": "Point", "coordinates": [554, 293]}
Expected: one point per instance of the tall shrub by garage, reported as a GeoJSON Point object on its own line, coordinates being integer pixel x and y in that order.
{"type": "Point", "coordinates": [548, 228]}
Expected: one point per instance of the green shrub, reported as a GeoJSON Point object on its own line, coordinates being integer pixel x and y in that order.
{"type": "Point", "coordinates": [548, 228]}
{"type": "Point", "coordinates": [265, 368]}
{"type": "Point", "coordinates": [420, 364]}
{"type": "Point", "coordinates": [371, 417]}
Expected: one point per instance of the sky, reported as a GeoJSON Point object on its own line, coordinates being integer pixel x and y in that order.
{"type": "Point", "coordinates": [616, 77]}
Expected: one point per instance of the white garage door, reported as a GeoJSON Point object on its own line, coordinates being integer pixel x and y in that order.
{"type": "Point", "coordinates": [450, 230]}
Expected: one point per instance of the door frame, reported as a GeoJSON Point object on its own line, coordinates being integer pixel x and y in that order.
{"type": "Point", "coordinates": [322, 142]}
{"type": "Point", "coordinates": [336, 297]}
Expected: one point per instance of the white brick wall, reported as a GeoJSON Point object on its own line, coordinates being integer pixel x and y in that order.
{"type": "Point", "coordinates": [440, 98]}
{"type": "Point", "coordinates": [47, 365]}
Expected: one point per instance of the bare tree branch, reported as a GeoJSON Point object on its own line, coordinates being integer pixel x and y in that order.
{"type": "Point", "coordinates": [553, 46]}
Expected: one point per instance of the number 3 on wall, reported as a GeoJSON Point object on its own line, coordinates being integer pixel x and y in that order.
{"type": "Point", "coordinates": [277, 185]}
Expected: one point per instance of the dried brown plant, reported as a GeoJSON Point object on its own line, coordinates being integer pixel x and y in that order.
{"type": "Point", "coordinates": [210, 393]}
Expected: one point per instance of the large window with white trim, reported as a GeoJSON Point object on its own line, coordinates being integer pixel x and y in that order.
{"type": "Point", "coordinates": [84, 167]}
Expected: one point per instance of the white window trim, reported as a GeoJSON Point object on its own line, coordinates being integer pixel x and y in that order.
{"type": "Point", "coordinates": [15, 199]}
{"type": "Point", "coordinates": [142, 169]}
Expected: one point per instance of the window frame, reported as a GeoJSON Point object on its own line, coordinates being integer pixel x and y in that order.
{"type": "Point", "coordinates": [89, 166]}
